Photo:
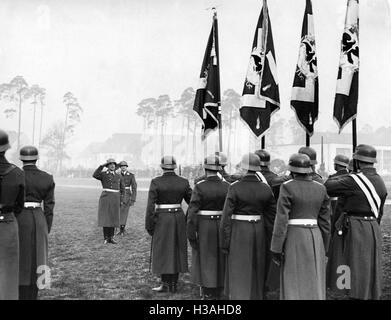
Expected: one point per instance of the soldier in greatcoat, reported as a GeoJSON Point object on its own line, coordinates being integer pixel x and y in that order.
{"type": "Point", "coordinates": [165, 221]}
{"type": "Point", "coordinates": [301, 233]}
{"type": "Point", "coordinates": [129, 196]}
{"type": "Point", "coordinates": [35, 222]}
{"type": "Point", "coordinates": [11, 204]}
{"type": "Point", "coordinates": [268, 176]}
{"type": "Point", "coordinates": [110, 199]}
{"type": "Point", "coordinates": [358, 228]}
{"type": "Point", "coordinates": [246, 225]}
{"type": "Point", "coordinates": [203, 220]}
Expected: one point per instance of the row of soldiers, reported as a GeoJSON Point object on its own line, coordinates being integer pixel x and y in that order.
{"type": "Point", "coordinates": [254, 231]}
{"type": "Point", "coordinates": [26, 215]}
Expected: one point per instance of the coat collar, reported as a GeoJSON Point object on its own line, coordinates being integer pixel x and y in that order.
{"type": "Point", "coordinates": [169, 173]}
{"type": "Point", "coordinates": [30, 167]}
{"type": "Point", "coordinates": [307, 177]}
{"type": "Point", "coordinates": [213, 178]}
{"type": "Point", "coordinates": [250, 177]}
{"type": "Point", "coordinates": [369, 171]}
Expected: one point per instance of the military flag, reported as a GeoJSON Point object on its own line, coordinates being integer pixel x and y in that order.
{"type": "Point", "coordinates": [305, 90]}
{"type": "Point", "coordinates": [346, 97]}
{"type": "Point", "coordinates": [207, 101]}
{"type": "Point", "coordinates": [260, 97]}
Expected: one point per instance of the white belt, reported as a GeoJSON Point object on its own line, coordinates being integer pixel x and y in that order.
{"type": "Point", "coordinates": [168, 206]}
{"type": "Point", "coordinates": [110, 190]}
{"type": "Point", "coordinates": [243, 217]}
{"type": "Point", "coordinates": [127, 188]}
{"type": "Point", "coordinates": [209, 213]}
{"type": "Point", "coordinates": [303, 222]}
{"type": "Point", "coordinates": [333, 198]}
{"type": "Point", "coordinates": [32, 205]}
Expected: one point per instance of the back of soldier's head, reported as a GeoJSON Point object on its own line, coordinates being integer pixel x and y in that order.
{"type": "Point", "coordinates": [341, 162]}
{"type": "Point", "coordinates": [4, 142]}
{"type": "Point", "coordinates": [365, 155]}
{"type": "Point", "coordinates": [28, 155]}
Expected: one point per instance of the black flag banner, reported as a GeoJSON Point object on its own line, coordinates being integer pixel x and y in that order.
{"type": "Point", "coordinates": [305, 90]}
{"type": "Point", "coordinates": [346, 97]}
{"type": "Point", "coordinates": [260, 93]}
{"type": "Point", "coordinates": [207, 101]}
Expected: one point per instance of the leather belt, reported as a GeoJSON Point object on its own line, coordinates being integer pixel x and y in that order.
{"type": "Point", "coordinates": [359, 217]}
{"type": "Point", "coordinates": [168, 206]}
{"type": "Point", "coordinates": [303, 222]}
{"type": "Point", "coordinates": [209, 213]}
{"type": "Point", "coordinates": [32, 204]}
{"type": "Point", "coordinates": [110, 190]}
{"type": "Point", "coordinates": [249, 218]}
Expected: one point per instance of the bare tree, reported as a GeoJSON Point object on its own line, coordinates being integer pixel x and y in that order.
{"type": "Point", "coordinates": [42, 98]}
{"type": "Point", "coordinates": [230, 114]}
{"type": "Point", "coordinates": [72, 118]}
{"type": "Point", "coordinates": [35, 93]}
{"type": "Point", "coordinates": [164, 110]}
{"type": "Point", "coordinates": [55, 145]}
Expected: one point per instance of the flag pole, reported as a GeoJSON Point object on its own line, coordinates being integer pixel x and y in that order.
{"type": "Point", "coordinates": [354, 141]}
{"type": "Point", "coordinates": [263, 142]}
{"type": "Point", "coordinates": [307, 140]}
{"type": "Point", "coordinates": [218, 78]}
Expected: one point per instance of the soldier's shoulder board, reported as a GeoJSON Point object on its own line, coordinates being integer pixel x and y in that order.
{"type": "Point", "coordinates": [286, 182]}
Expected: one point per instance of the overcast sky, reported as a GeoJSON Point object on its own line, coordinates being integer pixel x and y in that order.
{"type": "Point", "coordinates": [112, 54]}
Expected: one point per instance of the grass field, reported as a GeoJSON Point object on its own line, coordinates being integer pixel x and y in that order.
{"type": "Point", "coordinates": [83, 267]}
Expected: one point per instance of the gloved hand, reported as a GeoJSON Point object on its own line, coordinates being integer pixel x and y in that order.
{"type": "Point", "coordinates": [277, 258]}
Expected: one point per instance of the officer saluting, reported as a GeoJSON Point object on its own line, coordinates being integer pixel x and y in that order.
{"type": "Point", "coordinates": [110, 199]}
{"type": "Point", "coordinates": [129, 196]}
{"type": "Point", "coordinates": [364, 194]}
{"type": "Point", "coordinates": [11, 203]}
{"type": "Point", "coordinates": [166, 223]}
{"type": "Point", "coordinates": [34, 223]}
{"type": "Point", "coordinates": [203, 220]}
{"type": "Point", "coordinates": [246, 223]}
{"type": "Point", "coordinates": [301, 233]}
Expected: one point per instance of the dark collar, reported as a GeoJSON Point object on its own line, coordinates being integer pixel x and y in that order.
{"type": "Point", "coordinates": [250, 177]}
{"type": "Point", "coordinates": [342, 171]}
{"type": "Point", "coordinates": [30, 167]}
{"type": "Point", "coordinates": [265, 169]}
{"type": "Point", "coordinates": [307, 177]}
{"type": "Point", "coordinates": [213, 178]}
{"type": "Point", "coordinates": [169, 173]}
{"type": "Point", "coordinates": [369, 170]}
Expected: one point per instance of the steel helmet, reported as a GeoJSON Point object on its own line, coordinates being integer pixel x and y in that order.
{"type": "Point", "coordinates": [341, 160]}
{"type": "Point", "coordinates": [28, 153]}
{"type": "Point", "coordinates": [222, 158]}
{"type": "Point", "coordinates": [123, 163]}
{"type": "Point", "coordinates": [264, 156]}
{"type": "Point", "coordinates": [250, 162]}
{"type": "Point", "coordinates": [168, 162]}
{"type": "Point", "coordinates": [365, 153]}
{"type": "Point", "coordinates": [310, 152]}
{"type": "Point", "coordinates": [212, 162]}
{"type": "Point", "coordinates": [299, 163]}
{"type": "Point", "coordinates": [4, 141]}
